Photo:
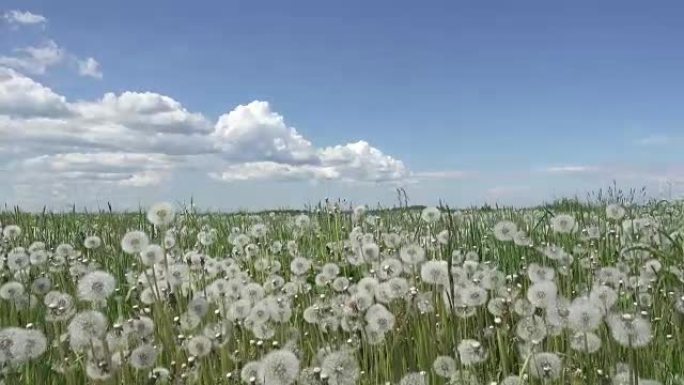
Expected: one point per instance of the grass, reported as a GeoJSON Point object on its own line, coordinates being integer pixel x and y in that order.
{"type": "Point", "coordinates": [428, 319]}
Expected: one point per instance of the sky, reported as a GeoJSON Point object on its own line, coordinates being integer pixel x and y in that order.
{"type": "Point", "coordinates": [270, 104]}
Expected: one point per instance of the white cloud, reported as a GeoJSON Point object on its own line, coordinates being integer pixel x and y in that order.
{"type": "Point", "coordinates": [446, 174]}
{"type": "Point", "coordinates": [143, 111]}
{"type": "Point", "coordinates": [141, 138]}
{"type": "Point", "coordinates": [259, 145]}
{"type": "Point", "coordinates": [274, 171]}
{"type": "Point", "coordinates": [35, 60]}
{"type": "Point", "coordinates": [21, 96]}
{"type": "Point", "coordinates": [361, 161]}
{"type": "Point", "coordinates": [253, 132]}
{"type": "Point", "coordinates": [571, 169]}
{"type": "Point", "coordinates": [24, 18]}
{"type": "Point", "coordinates": [89, 67]}
{"type": "Point", "coordinates": [127, 169]}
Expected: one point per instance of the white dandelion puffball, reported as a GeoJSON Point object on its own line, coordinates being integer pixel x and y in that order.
{"type": "Point", "coordinates": [629, 330]}
{"type": "Point", "coordinates": [250, 372]}
{"type": "Point", "coordinates": [435, 272]}
{"type": "Point", "coordinates": [563, 224]}
{"type": "Point", "coordinates": [151, 255]}
{"type": "Point", "coordinates": [161, 214]}
{"type": "Point", "coordinates": [505, 231]}
{"type": "Point", "coordinates": [85, 327]}
{"type": "Point", "coordinates": [96, 286]}
{"type": "Point", "coordinates": [542, 294]}
{"type": "Point", "coordinates": [471, 352]}
{"type": "Point", "coordinates": [279, 367]}
{"type": "Point", "coordinates": [444, 366]}
{"type": "Point", "coordinates": [546, 366]}
{"type": "Point", "coordinates": [414, 378]}
{"type": "Point", "coordinates": [11, 232]}
{"type": "Point", "coordinates": [341, 368]}
{"type": "Point", "coordinates": [412, 254]}
{"type": "Point", "coordinates": [199, 346]}
{"type": "Point", "coordinates": [92, 242]}
{"type": "Point", "coordinates": [430, 214]}
{"type": "Point", "coordinates": [615, 212]}
{"type": "Point", "coordinates": [11, 290]}
{"type": "Point", "coordinates": [134, 242]}
{"type": "Point", "coordinates": [143, 357]}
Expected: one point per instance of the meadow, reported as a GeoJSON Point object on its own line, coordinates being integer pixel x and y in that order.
{"type": "Point", "coordinates": [567, 293]}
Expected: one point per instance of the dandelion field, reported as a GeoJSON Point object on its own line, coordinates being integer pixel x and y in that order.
{"type": "Point", "coordinates": [563, 294]}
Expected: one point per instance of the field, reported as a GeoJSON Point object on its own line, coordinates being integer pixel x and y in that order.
{"type": "Point", "coordinates": [568, 293]}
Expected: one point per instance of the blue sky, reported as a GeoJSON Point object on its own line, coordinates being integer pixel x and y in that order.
{"type": "Point", "coordinates": [515, 102]}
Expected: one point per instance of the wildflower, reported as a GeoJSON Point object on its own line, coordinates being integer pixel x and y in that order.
{"type": "Point", "coordinates": [250, 372]}
{"type": "Point", "coordinates": [521, 238]}
{"type": "Point", "coordinates": [161, 214]}
{"type": "Point", "coordinates": [134, 242]}
{"type": "Point", "coordinates": [151, 255]}
{"type": "Point", "coordinates": [585, 342]}
{"type": "Point", "coordinates": [412, 254]}
{"type": "Point", "coordinates": [370, 251]}
{"type": "Point", "coordinates": [143, 357]}
{"type": "Point", "coordinates": [11, 232]}
{"type": "Point", "coordinates": [85, 327]}
{"type": "Point", "coordinates": [505, 231]}
{"type": "Point", "coordinates": [531, 329]}
{"type": "Point", "coordinates": [542, 294]}
{"type": "Point", "coordinates": [473, 295]}
{"type": "Point", "coordinates": [444, 366]}
{"type": "Point", "coordinates": [302, 221]}
{"type": "Point", "coordinates": [539, 273]}
{"type": "Point", "coordinates": [38, 257]}
{"type": "Point", "coordinates": [584, 315]}
{"type": "Point", "coordinates": [471, 352]}
{"type": "Point", "coordinates": [443, 237]}
{"type": "Point", "coordinates": [65, 250]}
{"type": "Point", "coordinates": [379, 318]}
{"type": "Point", "coordinates": [464, 377]}
{"type": "Point", "coordinates": [630, 331]}
{"type": "Point", "coordinates": [512, 380]}
{"type": "Point", "coordinates": [300, 265]}
{"type": "Point", "coordinates": [60, 306]}
{"type": "Point", "coordinates": [279, 367]}
{"type": "Point", "coordinates": [41, 285]}
{"type": "Point", "coordinates": [615, 212]}
{"type": "Point", "coordinates": [435, 272]}
{"type": "Point", "coordinates": [96, 286]}
{"type": "Point", "coordinates": [414, 378]}
{"type": "Point", "coordinates": [563, 223]}
{"type": "Point", "coordinates": [340, 368]}
{"type": "Point", "coordinates": [92, 242]}
{"type": "Point", "coordinates": [199, 346]}
{"type": "Point", "coordinates": [430, 214]}
{"type": "Point", "coordinates": [545, 366]}
{"type": "Point", "coordinates": [258, 230]}
{"type": "Point", "coordinates": [11, 290]}
{"type": "Point", "coordinates": [17, 259]}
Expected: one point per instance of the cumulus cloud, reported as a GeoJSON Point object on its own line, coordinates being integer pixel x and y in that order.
{"type": "Point", "coordinates": [274, 171]}
{"type": "Point", "coordinates": [20, 96]}
{"type": "Point", "coordinates": [253, 132]}
{"type": "Point", "coordinates": [89, 67]}
{"type": "Point", "coordinates": [35, 60]}
{"type": "Point", "coordinates": [142, 138]}
{"type": "Point", "coordinates": [17, 17]}
{"type": "Point", "coordinates": [266, 148]}
{"type": "Point", "coordinates": [143, 111]}
{"type": "Point", "coordinates": [127, 169]}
